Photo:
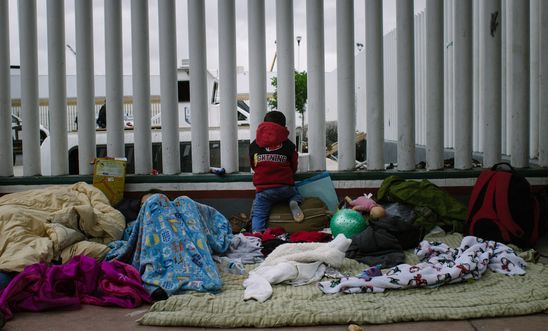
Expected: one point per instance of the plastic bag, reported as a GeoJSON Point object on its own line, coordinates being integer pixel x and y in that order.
{"type": "Point", "coordinates": [322, 187]}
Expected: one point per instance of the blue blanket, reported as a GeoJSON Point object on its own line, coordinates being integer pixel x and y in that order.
{"type": "Point", "coordinates": [172, 243]}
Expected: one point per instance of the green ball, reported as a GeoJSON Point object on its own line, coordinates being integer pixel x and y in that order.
{"type": "Point", "coordinates": [348, 222]}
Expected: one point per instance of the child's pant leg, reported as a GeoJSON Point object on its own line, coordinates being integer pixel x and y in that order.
{"type": "Point", "coordinates": [260, 211]}
{"type": "Point", "coordinates": [296, 196]}
{"type": "Point", "coordinates": [264, 201]}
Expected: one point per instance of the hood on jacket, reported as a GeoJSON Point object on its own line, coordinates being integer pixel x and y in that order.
{"type": "Point", "coordinates": [271, 134]}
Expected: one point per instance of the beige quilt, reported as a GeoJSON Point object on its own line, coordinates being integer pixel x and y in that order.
{"type": "Point", "coordinates": [493, 295]}
{"type": "Point", "coordinates": [56, 222]}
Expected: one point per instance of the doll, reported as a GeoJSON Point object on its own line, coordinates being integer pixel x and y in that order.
{"type": "Point", "coordinates": [366, 204]}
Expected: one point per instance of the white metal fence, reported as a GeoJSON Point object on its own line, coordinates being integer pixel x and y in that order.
{"type": "Point", "coordinates": [509, 100]}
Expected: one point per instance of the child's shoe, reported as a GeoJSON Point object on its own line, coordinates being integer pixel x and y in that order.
{"type": "Point", "coordinates": [296, 211]}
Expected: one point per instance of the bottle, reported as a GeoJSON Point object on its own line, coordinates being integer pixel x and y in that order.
{"type": "Point", "coordinates": [217, 171]}
{"type": "Point", "coordinates": [233, 266]}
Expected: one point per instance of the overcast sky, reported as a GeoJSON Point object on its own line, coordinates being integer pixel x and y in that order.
{"type": "Point", "coordinates": [389, 21]}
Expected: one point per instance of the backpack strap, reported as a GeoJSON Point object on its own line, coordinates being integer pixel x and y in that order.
{"type": "Point", "coordinates": [486, 210]}
{"type": "Point", "coordinates": [502, 206]}
{"type": "Point", "coordinates": [482, 181]}
{"type": "Point", "coordinates": [536, 222]}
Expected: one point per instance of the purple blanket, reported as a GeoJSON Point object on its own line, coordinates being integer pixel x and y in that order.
{"type": "Point", "coordinates": [81, 280]}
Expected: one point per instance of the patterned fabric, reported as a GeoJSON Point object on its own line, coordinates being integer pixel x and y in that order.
{"type": "Point", "coordinates": [172, 245]}
{"type": "Point", "coordinates": [494, 295]}
{"type": "Point", "coordinates": [442, 265]}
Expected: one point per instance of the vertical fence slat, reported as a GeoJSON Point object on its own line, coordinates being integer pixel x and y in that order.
{"type": "Point", "coordinates": [114, 78]}
{"type": "Point", "coordinates": [316, 84]}
{"type": "Point", "coordinates": [405, 85]}
{"type": "Point", "coordinates": [346, 107]}
{"type": "Point", "coordinates": [227, 85]}
{"type": "Point", "coordinates": [434, 84]}
{"type": "Point", "coordinates": [374, 84]}
{"type": "Point", "coordinates": [168, 87]}
{"type": "Point", "coordinates": [29, 87]}
{"type": "Point", "coordinates": [519, 83]}
{"type": "Point", "coordinates": [85, 86]}
{"type": "Point", "coordinates": [57, 86]}
{"type": "Point", "coordinates": [141, 86]}
{"type": "Point", "coordinates": [257, 63]}
{"type": "Point", "coordinates": [534, 77]}
{"type": "Point", "coordinates": [490, 91]}
{"type": "Point", "coordinates": [543, 86]}
{"type": "Point", "coordinates": [506, 119]}
{"type": "Point", "coordinates": [198, 82]}
{"type": "Point", "coordinates": [476, 140]}
{"type": "Point", "coordinates": [463, 101]}
{"type": "Point", "coordinates": [286, 63]}
{"type": "Point", "coordinates": [6, 157]}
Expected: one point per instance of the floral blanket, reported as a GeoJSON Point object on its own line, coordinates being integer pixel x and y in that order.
{"type": "Point", "coordinates": [441, 265]}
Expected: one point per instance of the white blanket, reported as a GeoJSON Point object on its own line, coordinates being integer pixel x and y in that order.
{"type": "Point", "coordinates": [298, 264]}
{"type": "Point", "coordinates": [442, 265]}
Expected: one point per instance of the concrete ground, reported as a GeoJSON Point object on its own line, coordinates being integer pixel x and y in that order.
{"type": "Point", "coordinates": [118, 319]}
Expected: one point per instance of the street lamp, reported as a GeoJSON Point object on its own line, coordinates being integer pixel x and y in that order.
{"type": "Point", "coordinates": [299, 38]}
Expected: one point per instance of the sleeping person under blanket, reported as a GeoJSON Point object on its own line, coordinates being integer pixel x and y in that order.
{"type": "Point", "coordinates": [171, 244]}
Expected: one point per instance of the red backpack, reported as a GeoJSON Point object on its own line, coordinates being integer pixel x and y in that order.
{"type": "Point", "coordinates": [502, 208]}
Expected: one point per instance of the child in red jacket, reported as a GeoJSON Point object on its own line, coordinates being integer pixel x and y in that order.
{"type": "Point", "coordinates": [274, 160]}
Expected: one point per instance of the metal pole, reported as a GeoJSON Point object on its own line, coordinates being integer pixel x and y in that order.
{"type": "Point", "coordinates": [506, 120]}
{"type": "Point", "coordinates": [198, 86]}
{"type": "Point", "coordinates": [85, 86]}
{"type": "Point", "coordinates": [171, 162]}
{"type": "Point", "coordinates": [374, 92]}
{"type": "Point", "coordinates": [286, 63]}
{"type": "Point", "coordinates": [114, 78]}
{"type": "Point", "coordinates": [346, 107]}
{"type": "Point", "coordinates": [543, 85]}
{"type": "Point", "coordinates": [519, 83]}
{"type": "Point", "coordinates": [57, 86]}
{"type": "Point", "coordinates": [316, 83]}
{"type": "Point", "coordinates": [299, 38]}
{"type": "Point", "coordinates": [405, 85]}
{"type": "Point", "coordinates": [257, 64]}
{"type": "Point", "coordinates": [141, 86]}
{"type": "Point", "coordinates": [463, 101]}
{"type": "Point", "coordinates": [6, 157]}
{"type": "Point", "coordinates": [29, 87]}
{"type": "Point", "coordinates": [227, 76]}
{"type": "Point", "coordinates": [434, 84]}
{"type": "Point", "coordinates": [476, 119]}
{"type": "Point", "coordinates": [490, 90]}
{"type": "Point", "coordinates": [534, 76]}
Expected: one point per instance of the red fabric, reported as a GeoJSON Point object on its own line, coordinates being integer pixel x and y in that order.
{"type": "Point", "coordinates": [268, 234]}
{"type": "Point", "coordinates": [270, 134]}
{"type": "Point", "coordinates": [273, 157]}
{"type": "Point", "coordinates": [314, 236]}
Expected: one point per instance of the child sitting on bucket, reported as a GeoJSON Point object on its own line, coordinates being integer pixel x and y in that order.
{"type": "Point", "coordinates": [274, 160]}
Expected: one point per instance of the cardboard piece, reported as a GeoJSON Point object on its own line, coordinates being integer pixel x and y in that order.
{"type": "Point", "coordinates": [109, 175]}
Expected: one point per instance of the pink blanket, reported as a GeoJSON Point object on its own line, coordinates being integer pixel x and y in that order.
{"type": "Point", "coordinates": [81, 280]}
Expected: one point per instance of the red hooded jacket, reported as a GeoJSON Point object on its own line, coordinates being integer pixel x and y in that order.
{"type": "Point", "coordinates": [273, 157]}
